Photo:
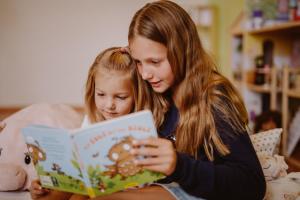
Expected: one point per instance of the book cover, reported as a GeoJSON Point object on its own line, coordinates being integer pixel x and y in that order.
{"type": "Point", "coordinates": [91, 161]}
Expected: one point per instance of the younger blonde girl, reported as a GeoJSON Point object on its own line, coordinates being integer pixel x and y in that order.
{"type": "Point", "coordinates": [113, 89]}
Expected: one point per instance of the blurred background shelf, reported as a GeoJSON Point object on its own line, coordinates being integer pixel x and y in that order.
{"type": "Point", "coordinates": [279, 90]}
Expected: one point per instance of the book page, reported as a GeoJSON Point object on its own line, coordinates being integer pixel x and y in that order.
{"type": "Point", "coordinates": [104, 150]}
{"type": "Point", "coordinates": [54, 158]}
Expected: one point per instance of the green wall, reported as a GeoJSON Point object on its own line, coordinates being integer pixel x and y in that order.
{"type": "Point", "coordinates": [227, 11]}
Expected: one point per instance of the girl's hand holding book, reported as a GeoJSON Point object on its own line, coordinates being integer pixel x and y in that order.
{"type": "Point", "coordinates": [158, 155]}
{"type": "Point", "coordinates": [36, 190]}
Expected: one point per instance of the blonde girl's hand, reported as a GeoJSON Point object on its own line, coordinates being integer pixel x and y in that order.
{"type": "Point", "coordinates": [158, 155]}
{"type": "Point", "coordinates": [36, 190]}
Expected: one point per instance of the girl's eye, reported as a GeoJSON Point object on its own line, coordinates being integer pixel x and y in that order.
{"type": "Point", "coordinates": [122, 97]}
{"type": "Point", "coordinates": [100, 94]}
{"type": "Point", "coordinates": [155, 62]}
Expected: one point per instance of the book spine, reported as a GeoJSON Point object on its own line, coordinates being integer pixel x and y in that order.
{"type": "Point", "coordinates": [88, 185]}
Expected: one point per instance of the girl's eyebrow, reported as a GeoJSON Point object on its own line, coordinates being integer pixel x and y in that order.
{"type": "Point", "coordinates": [98, 90]}
{"type": "Point", "coordinates": [123, 94]}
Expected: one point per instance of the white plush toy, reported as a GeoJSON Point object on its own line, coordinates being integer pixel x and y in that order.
{"type": "Point", "coordinates": [16, 168]}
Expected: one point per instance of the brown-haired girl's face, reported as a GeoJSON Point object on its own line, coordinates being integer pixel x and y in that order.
{"type": "Point", "coordinates": [113, 93]}
{"type": "Point", "coordinates": [152, 62]}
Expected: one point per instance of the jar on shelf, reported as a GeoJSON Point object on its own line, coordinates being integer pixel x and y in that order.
{"type": "Point", "coordinates": [257, 19]}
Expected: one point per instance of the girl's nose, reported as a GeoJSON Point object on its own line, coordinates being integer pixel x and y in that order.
{"type": "Point", "coordinates": [146, 74]}
{"type": "Point", "coordinates": [110, 105]}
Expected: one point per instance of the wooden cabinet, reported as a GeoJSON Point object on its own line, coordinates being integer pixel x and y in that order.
{"type": "Point", "coordinates": [277, 91]}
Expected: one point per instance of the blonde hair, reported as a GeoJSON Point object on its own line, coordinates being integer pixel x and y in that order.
{"type": "Point", "coordinates": [119, 60]}
{"type": "Point", "coordinates": [201, 92]}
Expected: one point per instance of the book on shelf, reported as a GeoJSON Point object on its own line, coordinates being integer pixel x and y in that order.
{"type": "Point", "coordinates": [91, 161]}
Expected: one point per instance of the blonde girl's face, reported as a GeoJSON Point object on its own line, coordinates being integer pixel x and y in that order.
{"type": "Point", "coordinates": [152, 62]}
{"type": "Point", "coordinates": [113, 93]}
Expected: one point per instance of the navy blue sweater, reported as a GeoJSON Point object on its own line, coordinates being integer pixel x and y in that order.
{"type": "Point", "coordinates": [234, 176]}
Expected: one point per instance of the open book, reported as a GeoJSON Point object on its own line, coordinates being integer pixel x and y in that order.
{"type": "Point", "coordinates": [91, 161]}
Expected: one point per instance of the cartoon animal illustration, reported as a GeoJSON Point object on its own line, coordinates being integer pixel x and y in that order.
{"type": "Point", "coordinates": [124, 161]}
{"type": "Point", "coordinates": [57, 168]}
{"type": "Point", "coordinates": [95, 155]}
{"type": "Point", "coordinates": [36, 153]}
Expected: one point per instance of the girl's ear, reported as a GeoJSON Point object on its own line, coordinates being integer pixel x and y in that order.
{"type": "Point", "coordinates": [2, 125]}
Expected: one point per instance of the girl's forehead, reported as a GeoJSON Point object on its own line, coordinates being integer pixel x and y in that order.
{"type": "Point", "coordinates": [110, 71]}
{"type": "Point", "coordinates": [105, 75]}
{"type": "Point", "coordinates": [113, 82]}
{"type": "Point", "coordinates": [144, 48]}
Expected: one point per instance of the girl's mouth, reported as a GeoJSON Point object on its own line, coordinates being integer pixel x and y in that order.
{"type": "Point", "coordinates": [155, 84]}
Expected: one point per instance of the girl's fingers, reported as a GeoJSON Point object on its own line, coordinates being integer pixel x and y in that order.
{"type": "Point", "coordinates": [39, 192]}
{"type": "Point", "coordinates": [36, 189]}
{"type": "Point", "coordinates": [159, 154]}
{"type": "Point", "coordinates": [152, 161]}
{"type": "Point", "coordinates": [36, 186]}
{"type": "Point", "coordinates": [152, 147]}
{"type": "Point", "coordinates": [146, 151]}
{"type": "Point", "coordinates": [151, 141]}
{"type": "Point", "coordinates": [155, 168]}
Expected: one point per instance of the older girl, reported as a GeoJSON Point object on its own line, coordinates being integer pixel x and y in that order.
{"type": "Point", "coordinates": [204, 148]}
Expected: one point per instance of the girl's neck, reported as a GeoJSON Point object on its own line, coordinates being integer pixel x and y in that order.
{"type": "Point", "coordinates": [171, 95]}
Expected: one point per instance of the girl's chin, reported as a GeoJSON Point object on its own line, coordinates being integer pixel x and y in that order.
{"type": "Point", "coordinates": [106, 117]}
{"type": "Point", "coordinates": [159, 89]}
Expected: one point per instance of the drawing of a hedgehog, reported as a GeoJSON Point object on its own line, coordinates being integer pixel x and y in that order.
{"type": "Point", "coordinates": [124, 161]}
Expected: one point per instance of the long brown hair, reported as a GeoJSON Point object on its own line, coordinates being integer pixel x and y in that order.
{"type": "Point", "coordinates": [201, 92]}
{"type": "Point", "coordinates": [119, 60]}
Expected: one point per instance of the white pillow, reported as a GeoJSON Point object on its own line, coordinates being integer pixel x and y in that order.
{"type": "Point", "coordinates": [267, 141]}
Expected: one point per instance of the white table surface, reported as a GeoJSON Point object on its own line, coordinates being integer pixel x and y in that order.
{"type": "Point", "coordinates": [15, 196]}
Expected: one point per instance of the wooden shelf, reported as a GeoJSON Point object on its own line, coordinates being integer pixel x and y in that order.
{"type": "Point", "coordinates": [280, 93]}
{"type": "Point", "coordinates": [293, 69]}
{"type": "Point", "coordinates": [282, 27]}
{"type": "Point", "coordinates": [259, 88]}
{"type": "Point", "coordinates": [238, 33]}
{"type": "Point", "coordinates": [295, 93]}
